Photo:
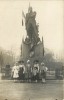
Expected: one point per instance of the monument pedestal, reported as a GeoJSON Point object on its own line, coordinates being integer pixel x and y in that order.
{"type": "Point", "coordinates": [36, 54]}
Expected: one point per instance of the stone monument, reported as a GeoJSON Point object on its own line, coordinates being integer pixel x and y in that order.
{"type": "Point", "coordinates": [32, 47]}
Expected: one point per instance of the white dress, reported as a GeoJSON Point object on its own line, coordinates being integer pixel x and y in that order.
{"type": "Point", "coordinates": [15, 71]}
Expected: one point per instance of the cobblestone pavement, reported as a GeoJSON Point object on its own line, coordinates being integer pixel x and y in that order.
{"type": "Point", "coordinates": [52, 90]}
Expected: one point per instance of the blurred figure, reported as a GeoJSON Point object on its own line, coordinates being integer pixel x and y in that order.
{"type": "Point", "coordinates": [21, 71]}
{"type": "Point", "coordinates": [36, 71]}
{"type": "Point", "coordinates": [43, 72]}
{"type": "Point", "coordinates": [29, 70]}
{"type": "Point", "coordinates": [15, 70]}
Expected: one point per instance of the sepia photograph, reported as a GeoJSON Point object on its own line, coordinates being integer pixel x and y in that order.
{"type": "Point", "coordinates": [31, 50]}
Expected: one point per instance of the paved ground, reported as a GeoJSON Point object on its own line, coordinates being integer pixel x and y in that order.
{"type": "Point", "coordinates": [31, 91]}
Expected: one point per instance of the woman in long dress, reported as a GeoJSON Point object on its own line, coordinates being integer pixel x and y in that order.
{"type": "Point", "coordinates": [15, 71]}
{"type": "Point", "coordinates": [29, 71]}
{"type": "Point", "coordinates": [43, 72]}
{"type": "Point", "coordinates": [36, 71]}
{"type": "Point", "coordinates": [21, 71]}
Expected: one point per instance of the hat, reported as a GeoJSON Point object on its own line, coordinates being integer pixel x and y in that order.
{"type": "Point", "coordinates": [21, 61]}
{"type": "Point", "coordinates": [42, 63]}
{"type": "Point", "coordinates": [36, 61]}
{"type": "Point", "coordinates": [28, 61]}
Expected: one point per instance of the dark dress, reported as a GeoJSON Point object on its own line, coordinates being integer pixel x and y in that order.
{"type": "Point", "coordinates": [43, 74]}
{"type": "Point", "coordinates": [21, 74]}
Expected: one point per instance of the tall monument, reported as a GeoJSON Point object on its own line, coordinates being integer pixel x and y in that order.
{"type": "Point", "coordinates": [32, 47]}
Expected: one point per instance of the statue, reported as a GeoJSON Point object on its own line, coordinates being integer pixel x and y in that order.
{"type": "Point", "coordinates": [32, 46]}
{"type": "Point", "coordinates": [31, 27]}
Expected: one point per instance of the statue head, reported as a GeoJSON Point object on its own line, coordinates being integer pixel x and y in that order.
{"type": "Point", "coordinates": [30, 9]}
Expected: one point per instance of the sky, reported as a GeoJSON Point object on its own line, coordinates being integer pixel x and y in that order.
{"type": "Point", "coordinates": [50, 19]}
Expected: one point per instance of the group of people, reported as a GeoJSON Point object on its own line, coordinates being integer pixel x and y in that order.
{"type": "Point", "coordinates": [21, 71]}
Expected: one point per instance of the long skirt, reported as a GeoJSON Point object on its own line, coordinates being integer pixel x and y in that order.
{"type": "Point", "coordinates": [21, 76]}
{"type": "Point", "coordinates": [15, 74]}
{"type": "Point", "coordinates": [35, 77]}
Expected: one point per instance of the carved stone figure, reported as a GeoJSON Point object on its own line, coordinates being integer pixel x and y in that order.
{"type": "Point", "coordinates": [31, 26]}
{"type": "Point", "coordinates": [32, 46]}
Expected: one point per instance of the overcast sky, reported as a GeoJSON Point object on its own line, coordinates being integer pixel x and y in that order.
{"type": "Point", "coordinates": [49, 16]}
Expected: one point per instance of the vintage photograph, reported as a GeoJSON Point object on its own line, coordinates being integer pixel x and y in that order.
{"type": "Point", "coordinates": [31, 50]}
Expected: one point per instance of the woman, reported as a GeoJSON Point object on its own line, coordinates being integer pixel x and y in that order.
{"type": "Point", "coordinates": [43, 72]}
{"type": "Point", "coordinates": [29, 70]}
{"type": "Point", "coordinates": [21, 71]}
{"type": "Point", "coordinates": [15, 71]}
